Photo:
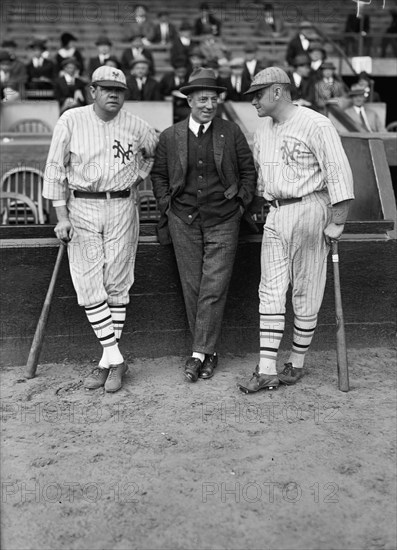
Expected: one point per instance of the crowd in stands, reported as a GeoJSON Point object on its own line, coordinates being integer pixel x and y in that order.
{"type": "Point", "coordinates": [66, 77]}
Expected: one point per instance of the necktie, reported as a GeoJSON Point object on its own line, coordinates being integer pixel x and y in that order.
{"type": "Point", "coordinates": [201, 130]}
{"type": "Point", "coordinates": [364, 121]}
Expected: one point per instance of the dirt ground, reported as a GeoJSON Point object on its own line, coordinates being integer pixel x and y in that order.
{"type": "Point", "coordinates": [164, 464]}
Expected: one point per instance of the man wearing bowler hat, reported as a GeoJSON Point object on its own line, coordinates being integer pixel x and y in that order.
{"type": "Point", "coordinates": [104, 46]}
{"type": "Point", "coordinates": [364, 116]}
{"type": "Point", "coordinates": [203, 179]}
{"type": "Point", "coordinates": [98, 156]}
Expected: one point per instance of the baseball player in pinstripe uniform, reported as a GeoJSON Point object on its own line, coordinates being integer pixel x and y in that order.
{"type": "Point", "coordinates": [304, 174]}
{"type": "Point", "coordinates": [98, 156]}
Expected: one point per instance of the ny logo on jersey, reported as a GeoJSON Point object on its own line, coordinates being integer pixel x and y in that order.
{"type": "Point", "coordinates": [121, 152]}
{"type": "Point", "coordinates": [290, 151]}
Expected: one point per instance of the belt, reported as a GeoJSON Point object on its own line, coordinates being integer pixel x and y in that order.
{"type": "Point", "coordinates": [102, 195]}
{"type": "Point", "coordinates": [282, 202]}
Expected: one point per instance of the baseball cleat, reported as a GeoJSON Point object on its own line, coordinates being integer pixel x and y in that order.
{"type": "Point", "coordinates": [258, 382]}
{"type": "Point", "coordinates": [96, 379]}
{"type": "Point", "coordinates": [290, 375]}
{"type": "Point", "coordinates": [115, 379]}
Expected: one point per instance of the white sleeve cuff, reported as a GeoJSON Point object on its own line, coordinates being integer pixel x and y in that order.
{"type": "Point", "coordinates": [60, 202]}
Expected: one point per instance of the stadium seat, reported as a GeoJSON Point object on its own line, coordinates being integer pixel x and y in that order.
{"type": "Point", "coordinates": [28, 182]}
{"type": "Point", "coordinates": [16, 209]}
{"type": "Point", "coordinates": [31, 126]}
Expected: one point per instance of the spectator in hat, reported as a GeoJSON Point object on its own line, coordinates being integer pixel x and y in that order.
{"type": "Point", "coordinates": [164, 32]}
{"type": "Point", "coordinates": [17, 69]}
{"type": "Point", "coordinates": [301, 86]}
{"type": "Point", "coordinates": [317, 55]}
{"type": "Point", "coordinates": [203, 179]}
{"type": "Point", "coordinates": [69, 89]}
{"type": "Point", "coordinates": [367, 118]}
{"type": "Point", "coordinates": [206, 23]}
{"type": "Point", "coordinates": [299, 43]}
{"type": "Point", "coordinates": [237, 83]}
{"type": "Point", "coordinates": [329, 87]}
{"type": "Point", "coordinates": [268, 23]}
{"type": "Point", "coordinates": [170, 84]}
{"type": "Point", "coordinates": [182, 45]}
{"type": "Point", "coordinates": [136, 51]}
{"type": "Point", "coordinates": [68, 49]}
{"type": "Point", "coordinates": [366, 82]}
{"type": "Point", "coordinates": [41, 72]}
{"type": "Point", "coordinates": [141, 86]}
{"type": "Point", "coordinates": [252, 65]}
{"type": "Point", "coordinates": [104, 46]}
{"type": "Point", "coordinates": [141, 25]}
{"type": "Point", "coordinates": [8, 91]}
{"type": "Point", "coordinates": [213, 47]}
{"type": "Point", "coordinates": [112, 61]}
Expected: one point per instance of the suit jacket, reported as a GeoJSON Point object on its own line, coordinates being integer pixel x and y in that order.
{"type": "Point", "coordinates": [374, 120]}
{"type": "Point", "coordinates": [304, 91]}
{"type": "Point", "coordinates": [206, 28]}
{"type": "Point", "coordinates": [62, 90]}
{"type": "Point", "coordinates": [150, 91]}
{"type": "Point", "coordinates": [231, 93]}
{"type": "Point", "coordinates": [127, 57]}
{"type": "Point", "coordinates": [167, 83]}
{"type": "Point", "coordinates": [233, 160]}
{"type": "Point", "coordinates": [172, 33]}
{"type": "Point", "coordinates": [294, 48]}
{"type": "Point", "coordinates": [47, 70]}
{"type": "Point", "coordinates": [324, 91]}
{"type": "Point", "coordinates": [180, 51]}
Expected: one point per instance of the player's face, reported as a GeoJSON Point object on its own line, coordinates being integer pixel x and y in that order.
{"type": "Point", "coordinates": [203, 105]}
{"type": "Point", "coordinates": [108, 100]}
{"type": "Point", "coordinates": [264, 102]}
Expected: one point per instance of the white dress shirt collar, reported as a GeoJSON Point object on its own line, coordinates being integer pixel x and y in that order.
{"type": "Point", "coordinates": [194, 126]}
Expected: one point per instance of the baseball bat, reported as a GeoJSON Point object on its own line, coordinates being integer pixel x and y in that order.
{"type": "Point", "coordinates": [341, 350]}
{"type": "Point", "coordinates": [38, 338]}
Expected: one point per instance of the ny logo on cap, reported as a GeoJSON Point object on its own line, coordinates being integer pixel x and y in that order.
{"type": "Point", "coordinates": [115, 75]}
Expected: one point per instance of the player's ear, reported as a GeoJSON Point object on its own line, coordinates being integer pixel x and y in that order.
{"type": "Point", "coordinates": [93, 91]}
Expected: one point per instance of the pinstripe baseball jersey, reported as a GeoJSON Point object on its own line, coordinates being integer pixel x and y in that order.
{"type": "Point", "coordinates": [95, 155]}
{"type": "Point", "coordinates": [301, 156]}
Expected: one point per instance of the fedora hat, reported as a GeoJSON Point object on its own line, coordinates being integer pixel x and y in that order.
{"type": "Point", "coordinates": [328, 65]}
{"type": "Point", "coordinates": [202, 79]}
{"type": "Point", "coordinates": [68, 60]}
{"type": "Point", "coordinates": [103, 40]}
{"type": "Point", "coordinates": [139, 59]}
{"type": "Point", "coordinates": [357, 89]}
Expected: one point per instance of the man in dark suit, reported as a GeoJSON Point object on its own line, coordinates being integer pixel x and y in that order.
{"type": "Point", "coordinates": [252, 65]}
{"type": "Point", "coordinates": [141, 86]}
{"type": "Point", "coordinates": [164, 32]}
{"type": "Point", "coordinates": [104, 46]}
{"type": "Point", "coordinates": [203, 179]}
{"type": "Point", "coordinates": [182, 44]}
{"type": "Point", "coordinates": [302, 88]}
{"type": "Point", "coordinates": [206, 23]}
{"type": "Point", "coordinates": [136, 50]}
{"type": "Point", "coordinates": [237, 83]}
{"type": "Point", "coordinates": [40, 71]}
{"type": "Point", "coordinates": [299, 43]}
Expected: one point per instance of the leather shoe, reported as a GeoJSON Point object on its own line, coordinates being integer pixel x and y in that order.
{"type": "Point", "coordinates": [96, 379]}
{"type": "Point", "coordinates": [290, 375]}
{"type": "Point", "coordinates": [210, 363]}
{"type": "Point", "coordinates": [192, 369]}
{"type": "Point", "coordinates": [259, 381]}
{"type": "Point", "coordinates": [115, 378]}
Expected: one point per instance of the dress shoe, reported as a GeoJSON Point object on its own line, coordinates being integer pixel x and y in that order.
{"type": "Point", "coordinates": [192, 369]}
{"type": "Point", "coordinates": [210, 363]}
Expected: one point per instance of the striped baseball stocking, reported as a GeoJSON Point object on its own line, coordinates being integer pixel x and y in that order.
{"type": "Point", "coordinates": [271, 329]}
{"type": "Point", "coordinates": [304, 328]}
{"type": "Point", "coordinates": [118, 317]}
{"type": "Point", "coordinates": [101, 321]}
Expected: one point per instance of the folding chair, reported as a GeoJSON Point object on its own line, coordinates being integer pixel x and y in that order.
{"type": "Point", "coordinates": [31, 126]}
{"type": "Point", "coordinates": [17, 209]}
{"type": "Point", "coordinates": [29, 182]}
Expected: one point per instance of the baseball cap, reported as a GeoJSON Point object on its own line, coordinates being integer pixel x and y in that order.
{"type": "Point", "coordinates": [267, 77]}
{"type": "Point", "coordinates": [109, 76]}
